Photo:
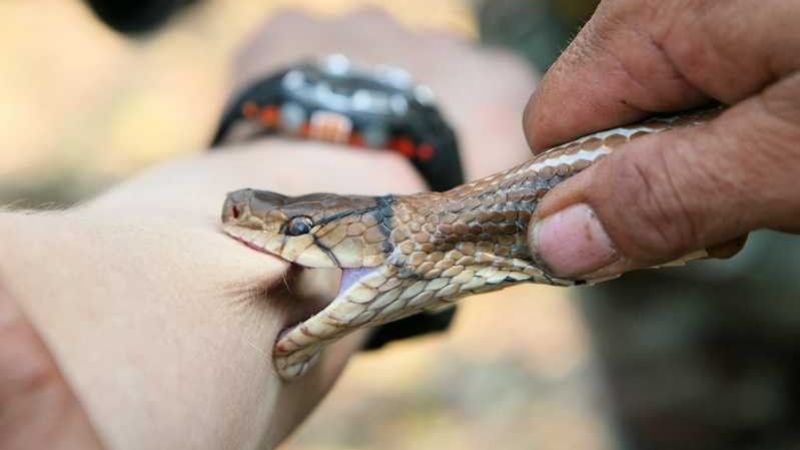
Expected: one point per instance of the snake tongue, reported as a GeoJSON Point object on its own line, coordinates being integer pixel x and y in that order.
{"type": "Point", "coordinates": [351, 277]}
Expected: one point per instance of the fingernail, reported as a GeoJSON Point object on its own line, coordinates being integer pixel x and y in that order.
{"type": "Point", "coordinates": [572, 242]}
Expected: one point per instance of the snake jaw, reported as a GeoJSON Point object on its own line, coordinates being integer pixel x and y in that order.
{"type": "Point", "coordinates": [352, 276]}
{"type": "Point", "coordinates": [252, 238]}
{"type": "Point", "coordinates": [293, 355]}
{"type": "Point", "coordinates": [300, 250]}
{"type": "Point", "coordinates": [348, 277]}
{"type": "Point", "coordinates": [298, 347]}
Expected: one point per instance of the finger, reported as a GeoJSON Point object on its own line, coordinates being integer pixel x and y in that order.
{"type": "Point", "coordinates": [663, 196]}
{"type": "Point", "coordinates": [38, 408]}
{"type": "Point", "coordinates": [634, 58]}
{"type": "Point", "coordinates": [727, 249]}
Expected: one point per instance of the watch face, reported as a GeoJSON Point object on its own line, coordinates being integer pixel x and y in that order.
{"type": "Point", "coordinates": [333, 100]}
{"type": "Point", "coordinates": [335, 85]}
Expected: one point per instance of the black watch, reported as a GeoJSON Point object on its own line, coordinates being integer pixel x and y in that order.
{"type": "Point", "coordinates": [380, 108]}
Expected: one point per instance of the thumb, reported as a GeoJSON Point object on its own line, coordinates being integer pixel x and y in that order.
{"type": "Point", "coordinates": [666, 195]}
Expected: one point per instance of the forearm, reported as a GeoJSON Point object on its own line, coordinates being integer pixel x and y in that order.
{"type": "Point", "coordinates": [152, 354]}
{"type": "Point", "coordinates": [159, 321]}
{"type": "Point", "coordinates": [39, 408]}
{"type": "Point", "coordinates": [193, 189]}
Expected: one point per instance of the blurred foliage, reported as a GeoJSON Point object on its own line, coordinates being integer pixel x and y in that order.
{"type": "Point", "coordinates": [536, 30]}
{"type": "Point", "coordinates": [705, 357]}
{"type": "Point", "coordinates": [83, 106]}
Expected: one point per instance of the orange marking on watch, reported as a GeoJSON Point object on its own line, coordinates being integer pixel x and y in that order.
{"type": "Point", "coordinates": [250, 110]}
{"type": "Point", "coordinates": [269, 116]}
{"type": "Point", "coordinates": [404, 146]}
{"type": "Point", "coordinates": [425, 152]}
{"type": "Point", "coordinates": [330, 126]}
{"type": "Point", "coordinates": [356, 140]}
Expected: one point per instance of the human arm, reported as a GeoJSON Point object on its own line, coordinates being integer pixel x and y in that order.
{"type": "Point", "coordinates": [158, 321]}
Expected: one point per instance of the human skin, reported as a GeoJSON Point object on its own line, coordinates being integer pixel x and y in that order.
{"type": "Point", "coordinates": [162, 326]}
{"type": "Point", "coordinates": [665, 195]}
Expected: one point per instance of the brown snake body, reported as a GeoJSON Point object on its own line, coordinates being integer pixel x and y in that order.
{"type": "Point", "coordinates": [402, 254]}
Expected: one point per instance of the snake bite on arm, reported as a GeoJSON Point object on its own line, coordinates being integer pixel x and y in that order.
{"type": "Point", "coordinates": [402, 254]}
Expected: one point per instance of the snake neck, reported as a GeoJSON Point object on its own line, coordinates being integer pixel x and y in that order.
{"type": "Point", "coordinates": [475, 226]}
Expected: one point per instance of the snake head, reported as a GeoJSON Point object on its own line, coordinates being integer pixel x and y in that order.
{"type": "Point", "coordinates": [314, 230]}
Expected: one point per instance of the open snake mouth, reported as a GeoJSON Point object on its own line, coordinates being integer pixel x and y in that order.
{"type": "Point", "coordinates": [348, 277]}
{"type": "Point", "coordinates": [351, 277]}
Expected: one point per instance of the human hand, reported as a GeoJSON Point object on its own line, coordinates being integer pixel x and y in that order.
{"type": "Point", "coordinates": [668, 194]}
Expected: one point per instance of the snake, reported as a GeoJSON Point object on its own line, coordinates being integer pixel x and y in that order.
{"type": "Point", "coordinates": [400, 255]}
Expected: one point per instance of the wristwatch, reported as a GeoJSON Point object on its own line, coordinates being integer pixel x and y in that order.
{"type": "Point", "coordinates": [378, 108]}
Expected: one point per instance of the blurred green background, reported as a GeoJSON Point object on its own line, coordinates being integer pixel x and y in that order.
{"type": "Point", "coordinates": [700, 357]}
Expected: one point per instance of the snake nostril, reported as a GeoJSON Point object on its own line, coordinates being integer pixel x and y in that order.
{"type": "Point", "coordinates": [235, 212]}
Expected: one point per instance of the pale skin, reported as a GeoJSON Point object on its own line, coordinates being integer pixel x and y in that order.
{"type": "Point", "coordinates": [154, 329]}
{"type": "Point", "coordinates": [161, 324]}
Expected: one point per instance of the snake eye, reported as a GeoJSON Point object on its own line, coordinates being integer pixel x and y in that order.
{"type": "Point", "coordinates": [299, 225]}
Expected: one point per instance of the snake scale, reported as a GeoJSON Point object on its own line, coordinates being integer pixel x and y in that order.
{"type": "Point", "coordinates": [402, 254]}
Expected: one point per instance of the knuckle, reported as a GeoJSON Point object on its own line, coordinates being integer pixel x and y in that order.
{"type": "Point", "coordinates": [625, 41]}
{"type": "Point", "coordinates": [284, 21]}
{"type": "Point", "coordinates": [271, 34]}
{"type": "Point", "coordinates": [655, 221]}
{"type": "Point", "coordinates": [370, 13]}
{"type": "Point", "coordinates": [768, 148]}
{"type": "Point", "coordinates": [530, 117]}
{"type": "Point", "coordinates": [374, 21]}
{"type": "Point", "coordinates": [781, 102]}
